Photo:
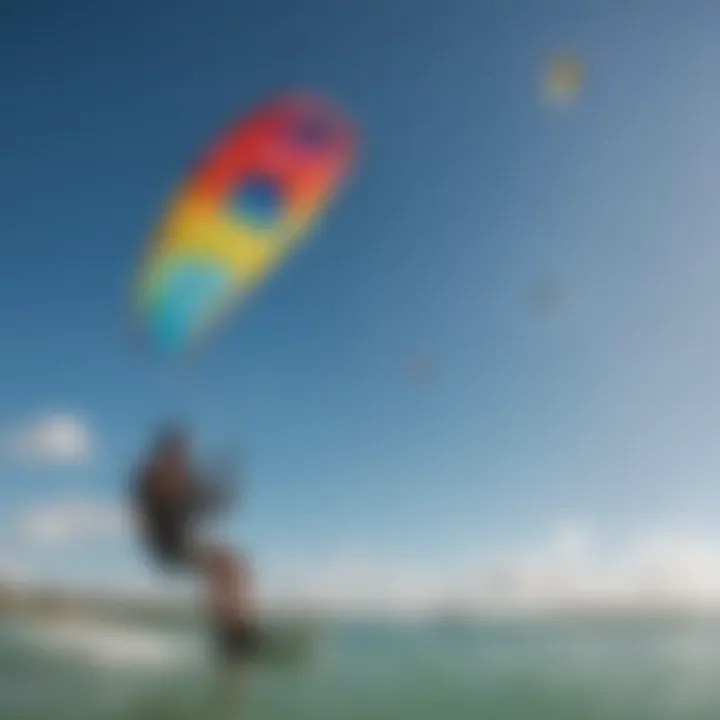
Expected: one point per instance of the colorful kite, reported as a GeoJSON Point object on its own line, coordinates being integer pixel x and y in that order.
{"type": "Point", "coordinates": [249, 202]}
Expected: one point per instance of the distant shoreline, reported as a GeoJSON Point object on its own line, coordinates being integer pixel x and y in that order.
{"type": "Point", "coordinates": [60, 603]}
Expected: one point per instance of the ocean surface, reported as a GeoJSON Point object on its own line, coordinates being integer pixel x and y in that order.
{"type": "Point", "coordinates": [400, 670]}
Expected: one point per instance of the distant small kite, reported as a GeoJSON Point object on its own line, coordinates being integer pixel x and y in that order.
{"type": "Point", "coordinates": [563, 79]}
{"type": "Point", "coordinates": [547, 296]}
{"type": "Point", "coordinates": [421, 369]}
{"type": "Point", "coordinates": [247, 205]}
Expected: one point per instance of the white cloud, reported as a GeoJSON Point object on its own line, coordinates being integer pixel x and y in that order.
{"type": "Point", "coordinates": [654, 570]}
{"type": "Point", "coordinates": [55, 438]}
{"type": "Point", "coordinates": [650, 570]}
{"type": "Point", "coordinates": [66, 522]}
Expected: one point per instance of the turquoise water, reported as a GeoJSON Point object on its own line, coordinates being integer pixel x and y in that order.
{"type": "Point", "coordinates": [502, 670]}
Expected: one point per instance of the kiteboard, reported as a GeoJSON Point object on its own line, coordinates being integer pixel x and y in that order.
{"type": "Point", "coordinates": [276, 645]}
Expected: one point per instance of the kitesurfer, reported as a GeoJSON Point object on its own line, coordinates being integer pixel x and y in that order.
{"type": "Point", "coordinates": [170, 499]}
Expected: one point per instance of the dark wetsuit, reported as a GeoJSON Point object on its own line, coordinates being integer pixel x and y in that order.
{"type": "Point", "coordinates": [167, 520]}
{"type": "Point", "coordinates": [168, 538]}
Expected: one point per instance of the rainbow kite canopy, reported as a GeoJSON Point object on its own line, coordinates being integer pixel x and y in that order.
{"type": "Point", "coordinates": [250, 201]}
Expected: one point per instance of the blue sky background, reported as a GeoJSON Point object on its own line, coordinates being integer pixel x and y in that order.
{"type": "Point", "coordinates": [469, 191]}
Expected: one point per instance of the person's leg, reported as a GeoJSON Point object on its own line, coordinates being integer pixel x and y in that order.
{"type": "Point", "coordinates": [229, 590]}
{"type": "Point", "coordinates": [230, 602]}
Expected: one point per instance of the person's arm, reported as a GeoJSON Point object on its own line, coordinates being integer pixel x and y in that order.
{"type": "Point", "coordinates": [214, 491]}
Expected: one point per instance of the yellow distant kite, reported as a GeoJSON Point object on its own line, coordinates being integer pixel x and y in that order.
{"type": "Point", "coordinates": [563, 79]}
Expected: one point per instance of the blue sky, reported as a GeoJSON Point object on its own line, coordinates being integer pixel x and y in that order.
{"type": "Point", "coordinates": [469, 191]}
